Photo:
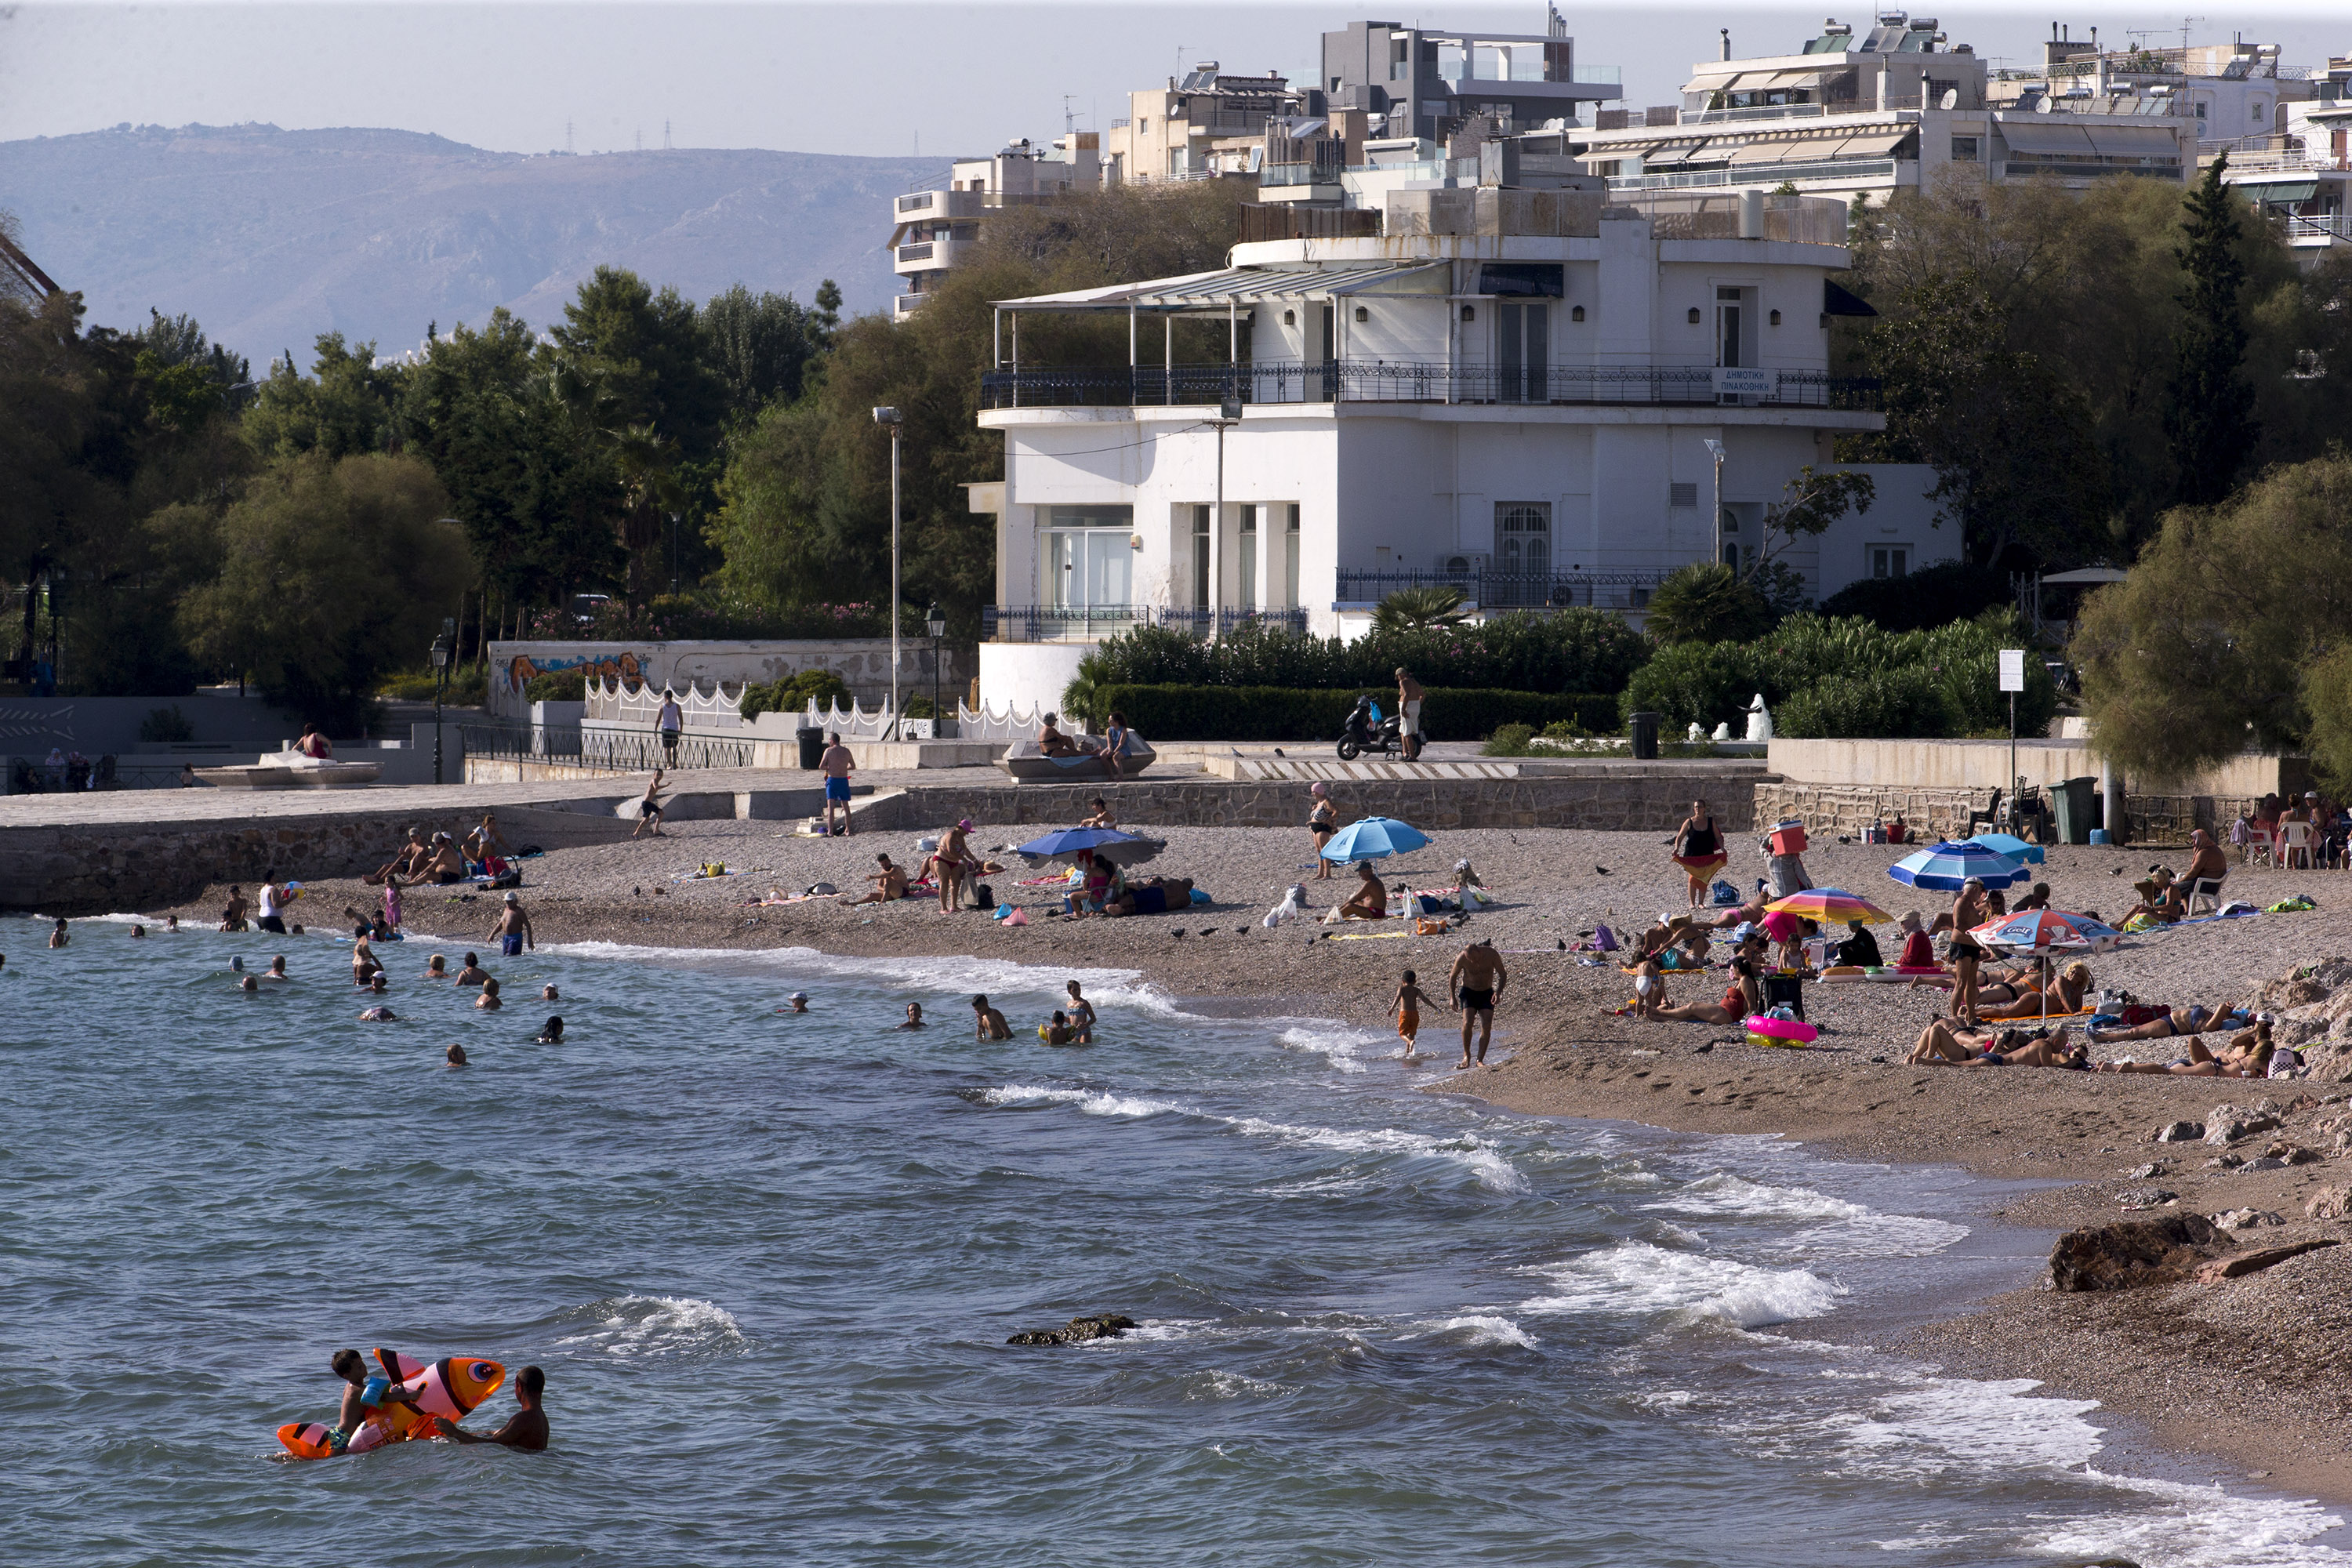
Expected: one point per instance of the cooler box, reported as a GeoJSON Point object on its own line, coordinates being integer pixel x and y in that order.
{"type": "Point", "coordinates": [1789, 837]}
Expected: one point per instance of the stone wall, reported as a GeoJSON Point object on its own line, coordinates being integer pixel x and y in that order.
{"type": "Point", "coordinates": [1830, 809]}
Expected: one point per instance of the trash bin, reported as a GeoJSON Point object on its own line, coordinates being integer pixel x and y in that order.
{"type": "Point", "coordinates": [1643, 728]}
{"type": "Point", "coordinates": [2072, 799]}
{"type": "Point", "coordinates": [812, 739]}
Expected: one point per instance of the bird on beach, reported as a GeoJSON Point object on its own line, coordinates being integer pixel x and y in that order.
{"type": "Point", "coordinates": [1603, 869]}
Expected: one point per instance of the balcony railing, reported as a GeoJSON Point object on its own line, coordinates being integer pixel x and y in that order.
{"type": "Point", "coordinates": [919, 252]}
{"type": "Point", "coordinates": [622, 750]}
{"type": "Point", "coordinates": [1759, 174]}
{"type": "Point", "coordinates": [1361, 381]}
{"type": "Point", "coordinates": [1056, 622]}
{"type": "Point", "coordinates": [2333, 226]}
{"type": "Point", "coordinates": [1498, 588]}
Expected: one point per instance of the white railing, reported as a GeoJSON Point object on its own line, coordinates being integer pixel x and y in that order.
{"type": "Point", "coordinates": [619, 704]}
{"type": "Point", "coordinates": [2333, 227]}
{"type": "Point", "coordinates": [985, 724]}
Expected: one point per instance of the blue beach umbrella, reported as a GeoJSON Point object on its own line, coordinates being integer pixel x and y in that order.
{"type": "Point", "coordinates": [1943, 868]}
{"type": "Point", "coordinates": [1107, 843]}
{"type": "Point", "coordinates": [2008, 843]}
{"type": "Point", "coordinates": [1373, 838]}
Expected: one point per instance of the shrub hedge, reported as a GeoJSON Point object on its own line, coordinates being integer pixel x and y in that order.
{"type": "Point", "coordinates": [1289, 713]}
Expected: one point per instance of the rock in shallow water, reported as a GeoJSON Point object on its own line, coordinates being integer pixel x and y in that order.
{"type": "Point", "coordinates": [1101, 1326]}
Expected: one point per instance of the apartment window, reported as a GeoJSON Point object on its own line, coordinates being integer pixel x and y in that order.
{"type": "Point", "coordinates": [1089, 562]}
{"type": "Point", "coordinates": [1522, 352]}
{"type": "Point", "coordinates": [1248, 595]}
{"type": "Point", "coordinates": [1523, 543]}
{"type": "Point", "coordinates": [1200, 556]}
{"type": "Point", "coordinates": [1890, 560]}
{"type": "Point", "coordinates": [1963, 149]}
{"type": "Point", "coordinates": [1731, 521]}
{"type": "Point", "coordinates": [1400, 59]}
{"type": "Point", "coordinates": [1290, 559]}
{"type": "Point", "coordinates": [1727, 303]}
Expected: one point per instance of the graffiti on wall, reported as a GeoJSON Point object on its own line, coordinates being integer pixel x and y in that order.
{"type": "Point", "coordinates": [627, 669]}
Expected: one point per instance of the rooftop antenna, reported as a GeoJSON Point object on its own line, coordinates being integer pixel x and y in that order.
{"type": "Point", "coordinates": [1069, 116]}
{"type": "Point", "coordinates": [2185, 22]}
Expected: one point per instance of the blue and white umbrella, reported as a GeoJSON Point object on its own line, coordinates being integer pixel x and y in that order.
{"type": "Point", "coordinates": [1106, 843]}
{"type": "Point", "coordinates": [1373, 838]}
{"type": "Point", "coordinates": [2008, 843]}
{"type": "Point", "coordinates": [1943, 868]}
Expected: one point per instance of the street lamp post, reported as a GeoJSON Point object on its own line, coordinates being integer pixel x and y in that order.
{"type": "Point", "coordinates": [936, 623]}
{"type": "Point", "coordinates": [890, 420]}
{"type": "Point", "coordinates": [1715, 451]}
{"type": "Point", "coordinates": [1228, 413]}
{"type": "Point", "coordinates": [442, 647]}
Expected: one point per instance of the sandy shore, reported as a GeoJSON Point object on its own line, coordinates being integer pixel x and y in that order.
{"type": "Point", "coordinates": [2244, 1369]}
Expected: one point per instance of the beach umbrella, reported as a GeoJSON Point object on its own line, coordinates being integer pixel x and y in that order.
{"type": "Point", "coordinates": [2040, 932]}
{"type": "Point", "coordinates": [1947, 866]}
{"type": "Point", "coordinates": [2011, 844]}
{"type": "Point", "coordinates": [1828, 906]}
{"type": "Point", "coordinates": [1106, 843]}
{"type": "Point", "coordinates": [1373, 838]}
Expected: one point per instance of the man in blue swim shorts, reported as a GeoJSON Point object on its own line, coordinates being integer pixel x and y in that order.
{"type": "Point", "coordinates": [835, 765]}
{"type": "Point", "coordinates": [513, 930]}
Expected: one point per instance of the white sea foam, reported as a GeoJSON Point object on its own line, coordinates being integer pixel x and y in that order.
{"type": "Point", "coordinates": [1482, 1332]}
{"type": "Point", "coordinates": [1492, 1169]}
{"type": "Point", "coordinates": [1636, 1276]}
{"type": "Point", "coordinates": [1338, 1044]}
{"type": "Point", "coordinates": [1848, 1228]}
{"type": "Point", "coordinates": [1215, 1384]}
{"type": "Point", "coordinates": [2201, 1526]}
{"type": "Point", "coordinates": [640, 1326]}
{"type": "Point", "coordinates": [1927, 1425]}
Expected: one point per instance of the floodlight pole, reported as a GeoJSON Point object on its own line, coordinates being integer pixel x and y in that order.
{"type": "Point", "coordinates": [1715, 451]}
{"type": "Point", "coordinates": [1229, 412]}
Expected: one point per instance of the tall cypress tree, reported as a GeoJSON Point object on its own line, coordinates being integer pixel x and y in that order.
{"type": "Point", "coordinates": [2209, 421]}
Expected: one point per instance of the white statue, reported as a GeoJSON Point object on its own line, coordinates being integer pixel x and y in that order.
{"type": "Point", "coordinates": [1696, 734]}
{"type": "Point", "coordinates": [1760, 719]}
{"type": "Point", "coordinates": [1722, 731]}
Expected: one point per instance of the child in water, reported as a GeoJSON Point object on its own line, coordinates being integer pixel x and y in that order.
{"type": "Point", "coordinates": [1406, 1008]}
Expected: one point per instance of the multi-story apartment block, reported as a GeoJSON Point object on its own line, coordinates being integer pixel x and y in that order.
{"type": "Point", "coordinates": [1211, 122]}
{"type": "Point", "coordinates": [1425, 82]}
{"type": "Point", "coordinates": [1861, 114]}
{"type": "Point", "coordinates": [2301, 175]}
{"type": "Point", "coordinates": [932, 231]}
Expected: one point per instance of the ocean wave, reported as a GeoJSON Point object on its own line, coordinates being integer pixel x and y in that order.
{"type": "Point", "coordinates": [636, 1327]}
{"type": "Point", "coordinates": [1848, 1228]}
{"type": "Point", "coordinates": [1094, 1102]}
{"type": "Point", "coordinates": [2202, 1527]}
{"type": "Point", "coordinates": [1336, 1043]}
{"type": "Point", "coordinates": [1482, 1331]}
{"type": "Point", "coordinates": [1636, 1276]}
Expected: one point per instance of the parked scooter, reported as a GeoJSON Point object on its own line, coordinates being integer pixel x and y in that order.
{"type": "Point", "coordinates": [1368, 732]}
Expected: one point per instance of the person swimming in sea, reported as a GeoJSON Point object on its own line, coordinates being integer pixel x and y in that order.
{"type": "Point", "coordinates": [525, 1429]}
{"type": "Point", "coordinates": [914, 1016]}
{"type": "Point", "coordinates": [473, 973]}
{"type": "Point", "coordinates": [551, 1032]}
{"type": "Point", "coordinates": [488, 1001]}
{"type": "Point", "coordinates": [1058, 1032]}
{"type": "Point", "coordinates": [437, 968]}
{"type": "Point", "coordinates": [361, 1393]}
{"type": "Point", "coordinates": [454, 1055]}
{"type": "Point", "coordinates": [988, 1024]}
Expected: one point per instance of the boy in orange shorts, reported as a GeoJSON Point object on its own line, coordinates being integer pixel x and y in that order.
{"type": "Point", "coordinates": [1406, 1008]}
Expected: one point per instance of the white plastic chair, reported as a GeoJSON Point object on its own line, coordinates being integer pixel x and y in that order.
{"type": "Point", "coordinates": [2294, 838]}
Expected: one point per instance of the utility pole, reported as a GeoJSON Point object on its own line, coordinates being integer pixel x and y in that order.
{"type": "Point", "coordinates": [890, 420]}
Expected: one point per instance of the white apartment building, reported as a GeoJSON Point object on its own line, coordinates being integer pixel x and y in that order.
{"type": "Point", "coordinates": [1861, 113]}
{"type": "Point", "coordinates": [1521, 393]}
{"type": "Point", "coordinates": [2302, 174]}
{"type": "Point", "coordinates": [932, 231]}
{"type": "Point", "coordinates": [1211, 122]}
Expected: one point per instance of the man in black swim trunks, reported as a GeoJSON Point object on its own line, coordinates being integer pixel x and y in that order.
{"type": "Point", "coordinates": [1476, 982]}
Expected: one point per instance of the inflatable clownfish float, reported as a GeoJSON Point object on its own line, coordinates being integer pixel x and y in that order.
{"type": "Point", "coordinates": [454, 1386]}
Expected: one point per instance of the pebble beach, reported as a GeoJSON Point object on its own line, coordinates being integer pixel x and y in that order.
{"type": "Point", "coordinates": [2237, 1370]}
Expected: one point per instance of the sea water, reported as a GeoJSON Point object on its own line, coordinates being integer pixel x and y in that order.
{"type": "Point", "coordinates": [769, 1264]}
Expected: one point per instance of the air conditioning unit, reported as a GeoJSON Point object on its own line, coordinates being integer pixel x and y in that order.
{"type": "Point", "coordinates": [1462, 562]}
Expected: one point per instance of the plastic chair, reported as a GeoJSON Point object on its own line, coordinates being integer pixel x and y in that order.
{"type": "Point", "coordinates": [2208, 889]}
{"type": "Point", "coordinates": [2264, 845]}
{"type": "Point", "coordinates": [2294, 838]}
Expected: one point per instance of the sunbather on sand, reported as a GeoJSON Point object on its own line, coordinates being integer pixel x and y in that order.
{"type": "Point", "coordinates": [2067, 988]}
{"type": "Point", "coordinates": [1742, 997]}
{"type": "Point", "coordinates": [1747, 913]}
{"type": "Point", "coordinates": [1369, 901]}
{"type": "Point", "coordinates": [2164, 1026]}
{"type": "Point", "coordinates": [2246, 1055]}
{"type": "Point", "coordinates": [1943, 1045]}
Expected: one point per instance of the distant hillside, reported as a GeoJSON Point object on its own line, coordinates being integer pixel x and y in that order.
{"type": "Point", "coordinates": [269, 238]}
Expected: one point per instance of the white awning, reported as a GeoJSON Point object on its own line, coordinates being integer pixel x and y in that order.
{"type": "Point", "coordinates": [1711, 82]}
{"type": "Point", "coordinates": [1238, 286]}
{"type": "Point", "coordinates": [1786, 150]}
{"type": "Point", "coordinates": [1665, 157]}
{"type": "Point", "coordinates": [2133, 140]}
{"type": "Point", "coordinates": [1871, 144]}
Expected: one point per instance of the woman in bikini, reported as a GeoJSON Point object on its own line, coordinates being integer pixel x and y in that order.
{"type": "Point", "coordinates": [2026, 1000]}
{"type": "Point", "coordinates": [1699, 850]}
{"type": "Point", "coordinates": [1941, 1043]}
{"type": "Point", "coordinates": [2247, 1055]}
{"type": "Point", "coordinates": [2166, 1025]}
{"type": "Point", "coordinates": [953, 855]}
{"type": "Point", "coordinates": [1740, 999]}
{"type": "Point", "coordinates": [1322, 821]}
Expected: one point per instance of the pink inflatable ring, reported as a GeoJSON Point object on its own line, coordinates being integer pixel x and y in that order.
{"type": "Point", "coordinates": [1766, 1030]}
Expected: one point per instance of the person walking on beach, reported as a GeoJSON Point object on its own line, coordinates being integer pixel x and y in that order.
{"type": "Point", "coordinates": [273, 899]}
{"type": "Point", "coordinates": [1409, 696]}
{"type": "Point", "coordinates": [953, 860]}
{"type": "Point", "coordinates": [1322, 822]}
{"type": "Point", "coordinates": [835, 765]}
{"type": "Point", "coordinates": [1476, 985]}
{"type": "Point", "coordinates": [669, 722]}
{"type": "Point", "coordinates": [649, 809]}
{"type": "Point", "coordinates": [525, 1429]}
{"type": "Point", "coordinates": [1699, 850]}
{"type": "Point", "coordinates": [512, 933]}
{"type": "Point", "coordinates": [1406, 1008]}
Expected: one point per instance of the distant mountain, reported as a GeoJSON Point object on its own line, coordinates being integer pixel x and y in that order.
{"type": "Point", "coordinates": [269, 238]}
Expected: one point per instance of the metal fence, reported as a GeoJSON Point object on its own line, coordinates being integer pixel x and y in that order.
{"type": "Point", "coordinates": [1383, 381]}
{"type": "Point", "coordinates": [1500, 589]}
{"type": "Point", "coordinates": [30, 775]}
{"type": "Point", "coordinates": [617, 750]}
{"type": "Point", "coordinates": [1053, 623]}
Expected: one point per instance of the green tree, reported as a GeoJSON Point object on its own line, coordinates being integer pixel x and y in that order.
{"type": "Point", "coordinates": [2209, 405]}
{"type": "Point", "coordinates": [346, 405]}
{"type": "Point", "coordinates": [327, 574]}
{"type": "Point", "coordinates": [1707, 602]}
{"type": "Point", "coordinates": [761, 346]}
{"type": "Point", "coordinates": [1418, 609]}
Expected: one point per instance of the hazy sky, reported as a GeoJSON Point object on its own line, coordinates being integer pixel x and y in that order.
{"type": "Point", "coordinates": [835, 78]}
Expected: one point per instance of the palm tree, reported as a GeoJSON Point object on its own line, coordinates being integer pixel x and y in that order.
{"type": "Point", "coordinates": [1420, 609]}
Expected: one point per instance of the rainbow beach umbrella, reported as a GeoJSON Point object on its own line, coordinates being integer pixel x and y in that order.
{"type": "Point", "coordinates": [2044, 931]}
{"type": "Point", "coordinates": [1828, 906]}
{"type": "Point", "coordinates": [1943, 868]}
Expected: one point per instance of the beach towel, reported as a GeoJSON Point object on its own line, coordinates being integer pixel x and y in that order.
{"type": "Point", "coordinates": [2293, 906]}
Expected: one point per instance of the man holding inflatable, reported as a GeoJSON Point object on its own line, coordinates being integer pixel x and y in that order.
{"type": "Point", "coordinates": [525, 1429]}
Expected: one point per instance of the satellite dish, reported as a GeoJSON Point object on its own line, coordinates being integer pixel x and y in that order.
{"type": "Point", "coordinates": [1951, 99]}
{"type": "Point", "coordinates": [2044, 104]}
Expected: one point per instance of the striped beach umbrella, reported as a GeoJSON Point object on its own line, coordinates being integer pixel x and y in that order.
{"type": "Point", "coordinates": [2044, 931]}
{"type": "Point", "coordinates": [1943, 868]}
{"type": "Point", "coordinates": [2011, 844]}
{"type": "Point", "coordinates": [1828, 906]}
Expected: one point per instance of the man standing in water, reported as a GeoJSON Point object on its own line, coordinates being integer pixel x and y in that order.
{"type": "Point", "coordinates": [1476, 982]}
{"type": "Point", "coordinates": [513, 930]}
{"type": "Point", "coordinates": [525, 1429]}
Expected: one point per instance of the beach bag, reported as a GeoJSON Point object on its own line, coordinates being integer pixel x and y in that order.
{"type": "Point", "coordinates": [509, 878]}
{"type": "Point", "coordinates": [1604, 940]}
{"type": "Point", "coordinates": [1199, 897]}
{"type": "Point", "coordinates": [1724, 895]}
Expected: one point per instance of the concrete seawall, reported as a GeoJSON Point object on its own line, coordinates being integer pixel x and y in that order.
{"type": "Point", "coordinates": [97, 853]}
